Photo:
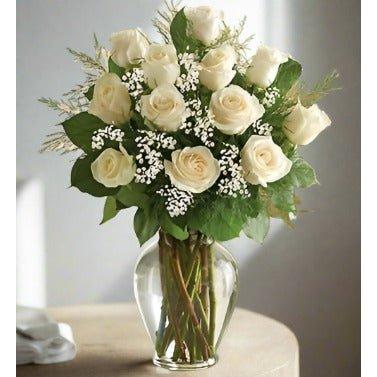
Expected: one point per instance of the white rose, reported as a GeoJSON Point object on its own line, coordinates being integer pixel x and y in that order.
{"type": "Point", "coordinates": [192, 169]}
{"type": "Point", "coordinates": [164, 107]}
{"type": "Point", "coordinates": [111, 101]}
{"type": "Point", "coordinates": [113, 168]}
{"type": "Point", "coordinates": [161, 65]}
{"type": "Point", "coordinates": [234, 109]}
{"type": "Point", "coordinates": [216, 67]}
{"type": "Point", "coordinates": [128, 47]}
{"type": "Point", "coordinates": [303, 124]}
{"type": "Point", "coordinates": [264, 66]}
{"type": "Point", "coordinates": [206, 23]}
{"type": "Point", "coordinates": [263, 161]}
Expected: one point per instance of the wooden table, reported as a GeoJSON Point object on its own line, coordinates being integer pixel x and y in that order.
{"type": "Point", "coordinates": [112, 342]}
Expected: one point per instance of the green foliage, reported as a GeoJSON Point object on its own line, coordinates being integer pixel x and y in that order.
{"type": "Point", "coordinates": [288, 74]}
{"type": "Point", "coordinates": [114, 68]}
{"type": "Point", "coordinates": [80, 129]}
{"type": "Point", "coordinates": [89, 93]}
{"type": "Point", "coordinates": [222, 217]}
{"type": "Point", "coordinates": [302, 174]}
{"type": "Point", "coordinates": [134, 195]}
{"type": "Point", "coordinates": [178, 31]}
{"type": "Point", "coordinates": [257, 227]}
{"type": "Point", "coordinates": [145, 224]}
{"type": "Point", "coordinates": [281, 194]}
{"type": "Point", "coordinates": [171, 227]}
{"type": "Point", "coordinates": [82, 178]}
{"type": "Point", "coordinates": [110, 209]}
{"type": "Point", "coordinates": [323, 87]}
{"type": "Point", "coordinates": [240, 80]}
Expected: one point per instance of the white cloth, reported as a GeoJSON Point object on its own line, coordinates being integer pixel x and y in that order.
{"type": "Point", "coordinates": [40, 340]}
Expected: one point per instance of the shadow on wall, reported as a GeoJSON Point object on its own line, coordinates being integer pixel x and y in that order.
{"type": "Point", "coordinates": [282, 281]}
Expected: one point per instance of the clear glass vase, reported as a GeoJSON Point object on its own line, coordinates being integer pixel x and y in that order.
{"type": "Point", "coordinates": [186, 293]}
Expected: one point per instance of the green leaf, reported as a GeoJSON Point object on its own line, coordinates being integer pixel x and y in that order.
{"type": "Point", "coordinates": [114, 68]}
{"type": "Point", "coordinates": [178, 31]}
{"type": "Point", "coordinates": [282, 194]}
{"type": "Point", "coordinates": [80, 130]}
{"type": "Point", "coordinates": [240, 80]}
{"type": "Point", "coordinates": [257, 227]}
{"type": "Point", "coordinates": [82, 178]}
{"type": "Point", "coordinates": [288, 74]}
{"type": "Point", "coordinates": [89, 93]}
{"type": "Point", "coordinates": [169, 226]}
{"type": "Point", "coordinates": [145, 224]}
{"type": "Point", "coordinates": [302, 174]}
{"type": "Point", "coordinates": [133, 195]}
{"type": "Point", "coordinates": [222, 218]}
{"type": "Point", "coordinates": [110, 209]}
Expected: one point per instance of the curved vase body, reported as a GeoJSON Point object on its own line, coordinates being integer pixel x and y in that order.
{"type": "Point", "coordinates": [186, 293]}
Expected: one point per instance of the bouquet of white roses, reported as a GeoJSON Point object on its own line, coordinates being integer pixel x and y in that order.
{"type": "Point", "coordinates": [197, 134]}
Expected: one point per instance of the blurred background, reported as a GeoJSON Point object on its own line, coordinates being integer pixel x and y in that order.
{"type": "Point", "coordinates": [308, 278]}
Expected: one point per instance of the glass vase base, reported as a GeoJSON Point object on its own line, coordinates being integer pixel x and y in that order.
{"type": "Point", "coordinates": [181, 365]}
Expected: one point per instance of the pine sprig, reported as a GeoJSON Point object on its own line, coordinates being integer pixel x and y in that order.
{"type": "Point", "coordinates": [232, 36]}
{"type": "Point", "coordinates": [164, 18]}
{"type": "Point", "coordinates": [320, 90]}
{"type": "Point", "coordinates": [65, 107]}
{"type": "Point", "coordinates": [87, 61]}
{"type": "Point", "coordinates": [79, 90]}
{"type": "Point", "coordinates": [58, 142]}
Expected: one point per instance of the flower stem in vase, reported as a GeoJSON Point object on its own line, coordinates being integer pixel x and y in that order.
{"type": "Point", "coordinates": [206, 349]}
{"type": "Point", "coordinates": [212, 297]}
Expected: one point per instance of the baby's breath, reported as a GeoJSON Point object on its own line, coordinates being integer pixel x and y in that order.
{"type": "Point", "coordinates": [149, 159]}
{"type": "Point", "coordinates": [177, 202]}
{"type": "Point", "coordinates": [270, 97]}
{"type": "Point", "coordinates": [133, 80]}
{"type": "Point", "coordinates": [201, 123]}
{"type": "Point", "coordinates": [263, 129]}
{"type": "Point", "coordinates": [110, 132]}
{"type": "Point", "coordinates": [232, 182]}
{"type": "Point", "coordinates": [189, 80]}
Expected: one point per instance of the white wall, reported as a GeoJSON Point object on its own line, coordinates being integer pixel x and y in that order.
{"type": "Point", "coordinates": [308, 278]}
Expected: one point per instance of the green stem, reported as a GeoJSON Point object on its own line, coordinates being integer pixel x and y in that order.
{"type": "Point", "coordinates": [184, 321]}
{"type": "Point", "coordinates": [202, 315]}
{"type": "Point", "coordinates": [170, 303]}
{"type": "Point", "coordinates": [189, 306]}
{"type": "Point", "coordinates": [204, 291]}
{"type": "Point", "coordinates": [167, 338]}
{"type": "Point", "coordinates": [212, 298]}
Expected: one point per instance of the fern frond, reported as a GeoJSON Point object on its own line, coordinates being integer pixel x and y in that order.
{"type": "Point", "coordinates": [320, 90]}
{"type": "Point", "coordinates": [58, 142]}
{"type": "Point", "coordinates": [232, 36]}
{"type": "Point", "coordinates": [87, 61]}
{"type": "Point", "coordinates": [164, 18]}
{"type": "Point", "coordinates": [67, 107]}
